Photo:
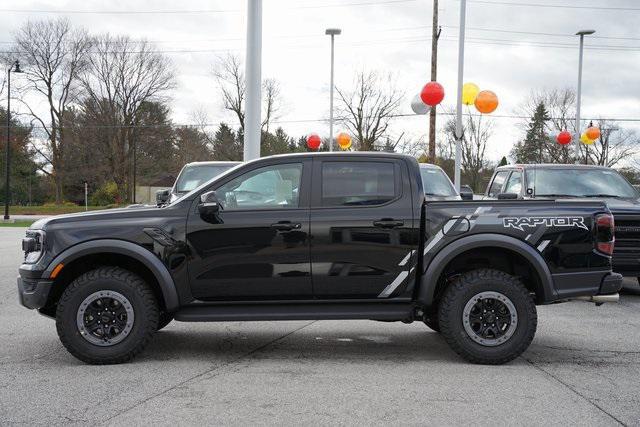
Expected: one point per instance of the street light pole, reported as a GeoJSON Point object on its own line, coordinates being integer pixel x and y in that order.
{"type": "Point", "coordinates": [463, 6]}
{"type": "Point", "coordinates": [7, 167]}
{"type": "Point", "coordinates": [253, 73]}
{"type": "Point", "coordinates": [331, 32]}
{"type": "Point", "coordinates": [576, 148]}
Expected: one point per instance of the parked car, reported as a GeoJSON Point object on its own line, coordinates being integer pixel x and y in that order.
{"type": "Point", "coordinates": [534, 181]}
{"type": "Point", "coordinates": [191, 176]}
{"type": "Point", "coordinates": [327, 236]}
{"type": "Point", "coordinates": [438, 186]}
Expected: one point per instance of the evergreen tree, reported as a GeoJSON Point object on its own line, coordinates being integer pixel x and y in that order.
{"type": "Point", "coordinates": [503, 161]}
{"type": "Point", "coordinates": [535, 146]}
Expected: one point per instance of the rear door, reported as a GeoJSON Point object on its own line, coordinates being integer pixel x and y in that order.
{"type": "Point", "coordinates": [362, 227]}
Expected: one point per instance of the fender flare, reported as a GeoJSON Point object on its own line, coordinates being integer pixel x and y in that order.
{"type": "Point", "coordinates": [430, 277]}
{"type": "Point", "coordinates": [123, 247]}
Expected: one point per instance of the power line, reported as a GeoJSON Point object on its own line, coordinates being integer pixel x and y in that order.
{"type": "Point", "coordinates": [320, 120]}
{"type": "Point", "coordinates": [559, 6]}
{"type": "Point", "coordinates": [195, 11]}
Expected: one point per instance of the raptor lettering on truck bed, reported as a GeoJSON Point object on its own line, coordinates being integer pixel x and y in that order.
{"type": "Point", "coordinates": [317, 236]}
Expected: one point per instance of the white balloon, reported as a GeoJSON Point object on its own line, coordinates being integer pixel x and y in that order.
{"type": "Point", "coordinates": [418, 106]}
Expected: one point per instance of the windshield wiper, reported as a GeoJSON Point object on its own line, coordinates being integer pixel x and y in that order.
{"type": "Point", "coordinates": [602, 195]}
{"type": "Point", "coordinates": [555, 195]}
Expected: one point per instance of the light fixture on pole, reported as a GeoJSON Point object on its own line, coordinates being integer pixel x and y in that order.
{"type": "Point", "coordinates": [331, 32]}
{"type": "Point", "coordinates": [580, 33]}
{"type": "Point", "coordinates": [13, 68]}
{"type": "Point", "coordinates": [458, 135]}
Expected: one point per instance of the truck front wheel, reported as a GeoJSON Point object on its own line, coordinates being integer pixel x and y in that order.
{"type": "Point", "coordinates": [106, 316]}
{"type": "Point", "coordinates": [487, 317]}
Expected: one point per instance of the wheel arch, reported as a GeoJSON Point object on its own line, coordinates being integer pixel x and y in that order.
{"type": "Point", "coordinates": [431, 277]}
{"type": "Point", "coordinates": [148, 265]}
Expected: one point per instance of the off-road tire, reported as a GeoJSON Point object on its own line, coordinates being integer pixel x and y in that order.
{"type": "Point", "coordinates": [432, 321]}
{"type": "Point", "coordinates": [164, 319]}
{"type": "Point", "coordinates": [128, 284]}
{"type": "Point", "coordinates": [461, 291]}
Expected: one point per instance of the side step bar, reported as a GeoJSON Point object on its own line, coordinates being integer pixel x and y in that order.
{"type": "Point", "coordinates": [301, 311]}
{"type": "Point", "coordinates": [601, 299]}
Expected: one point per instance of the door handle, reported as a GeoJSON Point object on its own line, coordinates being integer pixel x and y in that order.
{"type": "Point", "coordinates": [286, 226]}
{"type": "Point", "coordinates": [388, 223]}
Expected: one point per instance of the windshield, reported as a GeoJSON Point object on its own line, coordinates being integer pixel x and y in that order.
{"type": "Point", "coordinates": [436, 183]}
{"type": "Point", "coordinates": [579, 183]}
{"type": "Point", "coordinates": [192, 176]}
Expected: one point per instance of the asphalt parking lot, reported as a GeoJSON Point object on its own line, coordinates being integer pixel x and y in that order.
{"type": "Point", "coordinates": [582, 368]}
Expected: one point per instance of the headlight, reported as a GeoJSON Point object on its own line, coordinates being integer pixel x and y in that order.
{"type": "Point", "coordinates": [33, 246]}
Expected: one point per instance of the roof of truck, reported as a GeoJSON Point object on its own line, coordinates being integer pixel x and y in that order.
{"type": "Point", "coordinates": [550, 166]}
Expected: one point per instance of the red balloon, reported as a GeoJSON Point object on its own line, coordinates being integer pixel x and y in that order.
{"type": "Point", "coordinates": [313, 141]}
{"type": "Point", "coordinates": [563, 138]}
{"type": "Point", "coordinates": [432, 94]}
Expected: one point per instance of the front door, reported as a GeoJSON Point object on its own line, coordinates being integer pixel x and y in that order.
{"type": "Point", "coordinates": [257, 246]}
{"type": "Point", "coordinates": [362, 229]}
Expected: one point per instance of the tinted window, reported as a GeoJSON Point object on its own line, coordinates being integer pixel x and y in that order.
{"type": "Point", "coordinates": [271, 187]}
{"type": "Point", "coordinates": [496, 185]}
{"type": "Point", "coordinates": [357, 183]}
{"type": "Point", "coordinates": [196, 175]}
{"type": "Point", "coordinates": [436, 183]}
{"type": "Point", "coordinates": [514, 184]}
{"type": "Point", "coordinates": [560, 182]}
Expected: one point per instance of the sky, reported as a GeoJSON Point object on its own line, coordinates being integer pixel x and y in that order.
{"type": "Point", "coordinates": [512, 47]}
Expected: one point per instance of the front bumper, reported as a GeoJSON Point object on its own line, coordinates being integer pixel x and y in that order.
{"type": "Point", "coordinates": [32, 291]}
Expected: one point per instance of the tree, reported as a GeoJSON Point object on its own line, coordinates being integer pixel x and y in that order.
{"type": "Point", "coordinates": [614, 145]}
{"type": "Point", "coordinates": [368, 108]}
{"type": "Point", "coordinates": [55, 55]}
{"type": "Point", "coordinates": [227, 144]}
{"type": "Point", "coordinates": [229, 74]}
{"type": "Point", "coordinates": [536, 144]}
{"type": "Point", "coordinates": [560, 107]}
{"type": "Point", "coordinates": [475, 135]}
{"type": "Point", "coordinates": [25, 182]}
{"type": "Point", "coordinates": [503, 161]}
{"type": "Point", "coordinates": [123, 74]}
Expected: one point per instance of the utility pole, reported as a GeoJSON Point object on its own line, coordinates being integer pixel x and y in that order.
{"type": "Point", "coordinates": [435, 35]}
{"type": "Point", "coordinates": [253, 73]}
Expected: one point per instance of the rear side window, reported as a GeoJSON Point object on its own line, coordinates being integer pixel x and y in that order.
{"type": "Point", "coordinates": [358, 183]}
{"type": "Point", "coordinates": [498, 181]}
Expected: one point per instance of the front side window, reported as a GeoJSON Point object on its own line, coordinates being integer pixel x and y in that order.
{"type": "Point", "coordinates": [496, 185]}
{"type": "Point", "coordinates": [514, 184]}
{"type": "Point", "coordinates": [358, 183]}
{"type": "Point", "coordinates": [270, 187]}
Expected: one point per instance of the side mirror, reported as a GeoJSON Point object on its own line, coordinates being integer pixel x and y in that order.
{"type": "Point", "coordinates": [507, 196]}
{"type": "Point", "coordinates": [209, 204]}
{"type": "Point", "coordinates": [466, 193]}
{"type": "Point", "coordinates": [162, 196]}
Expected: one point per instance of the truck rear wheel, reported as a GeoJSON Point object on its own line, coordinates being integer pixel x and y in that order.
{"type": "Point", "coordinates": [106, 316]}
{"type": "Point", "coordinates": [487, 317]}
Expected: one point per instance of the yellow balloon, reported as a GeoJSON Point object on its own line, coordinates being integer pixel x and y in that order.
{"type": "Point", "coordinates": [469, 93]}
{"type": "Point", "coordinates": [586, 140]}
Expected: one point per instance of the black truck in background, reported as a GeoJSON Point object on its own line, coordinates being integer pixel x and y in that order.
{"type": "Point", "coordinates": [586, 182]}
{"type": "Point", "coordinates": [324, 236]}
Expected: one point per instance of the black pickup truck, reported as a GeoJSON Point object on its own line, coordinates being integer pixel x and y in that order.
{"type": "Point", "coordinates": [587, 182]}
{"type": "Point", "coordinates": [324, 236]}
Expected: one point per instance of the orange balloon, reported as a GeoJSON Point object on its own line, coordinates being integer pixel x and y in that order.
{"type": "Point", "coordinates": [486, 102]}
{"type": "Point", "coordinates": [593, 133]}
{"type": "Point", "coordinates": [344, 140]}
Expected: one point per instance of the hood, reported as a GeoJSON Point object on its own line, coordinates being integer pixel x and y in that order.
{"type": "Point", "coordinates": [104, 214]}
{"type": "Point", "coordinates": [623, 206]}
